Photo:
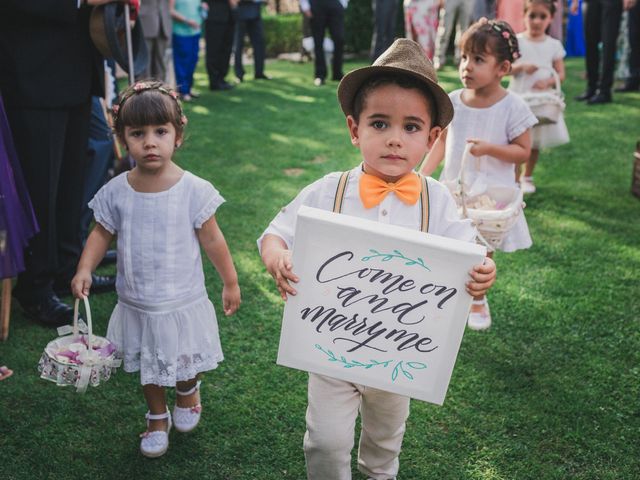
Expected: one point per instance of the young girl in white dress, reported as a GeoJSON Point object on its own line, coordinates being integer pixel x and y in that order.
{"type": "Point", "coordinates": [163, 324]}
{"type": "Point", "coordinates": [494, 121]}
{"type": "Point", "coordinates": [539, 54]}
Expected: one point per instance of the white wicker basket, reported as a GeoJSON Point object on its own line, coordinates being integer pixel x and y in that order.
{"type": "Point", "coordinates": [546, 105]}
{"type": "Point", "coordinates": [492, 224]}
{"type": "Point", "coordinates": [76, 359]}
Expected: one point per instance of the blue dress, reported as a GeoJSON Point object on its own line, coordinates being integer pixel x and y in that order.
{"type": "Point", "coordinates": [575, 34]}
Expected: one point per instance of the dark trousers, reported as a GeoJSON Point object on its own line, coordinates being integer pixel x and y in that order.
{"type": "Point", "coordinates": [185, 59]}
{"type": "Point", "coordinates": [252, 26]}
{"type": "Point", "coordinates": [384, 25]}
{"type": "Point", "coordinates": [219, 39]}
{"type": "Point", "coordinates": [634, 44]}
{"type": "Point", "coordinates": [52, 148]}
{"type": "Point", "coordinates": [601, 24]}
{"type": "Point", "coordinates": [327, 14]}
{"type": "Point", "coordinates": [100, 157]}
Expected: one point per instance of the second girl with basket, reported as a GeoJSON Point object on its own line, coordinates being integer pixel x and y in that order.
{"type": "Point", "coordinates": [495, 122]}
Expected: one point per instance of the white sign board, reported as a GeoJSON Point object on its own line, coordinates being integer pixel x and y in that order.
{"type": "Point", "coordinates": [378, 305]}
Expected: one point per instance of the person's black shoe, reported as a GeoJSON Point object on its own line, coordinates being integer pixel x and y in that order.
{"type": "Point", "coordinates": [109, 258]}
{"type": "Point", "coordinates": [99, 284]}
{"type": "Point", "coordinates": [47, 309]}
{"type": "Point", "coordinates": [337, 78]}
{"type": "Point", "coordinates": [599, 98]}
{"type": "Point", "coordinates": [264, 76]}
{"type": "Point", "coordinates": [585, 96]}
{"type": "Point", "coordinates": [240, 78]}
{"type": "Point", "coordinates": [629, 86]}
{"type": "Point", "coordinates": [221, 86]}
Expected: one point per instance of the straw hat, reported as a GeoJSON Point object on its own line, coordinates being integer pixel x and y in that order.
{"type": "Point", "coordinates": [107, 29]}
{"type": "Point", "coordinates": [405, 57]}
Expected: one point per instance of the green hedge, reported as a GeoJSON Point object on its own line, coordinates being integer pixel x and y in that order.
{"type": "Point", "coordinates": [283, 33]}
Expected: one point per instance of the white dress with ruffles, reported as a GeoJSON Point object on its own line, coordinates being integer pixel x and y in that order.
{"type": "Point", "coordinates": [499, 124]}
{"type": "Point", "coordinates": [163, 324]}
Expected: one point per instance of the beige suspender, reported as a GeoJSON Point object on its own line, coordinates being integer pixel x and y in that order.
{"type": "Point", "coordinates": [424, 199]}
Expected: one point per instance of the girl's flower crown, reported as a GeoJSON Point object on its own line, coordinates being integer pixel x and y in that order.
{"type": "Point", "coordinates": [140, 87]}
{"type": "Point", "coordinates": [502, 29]}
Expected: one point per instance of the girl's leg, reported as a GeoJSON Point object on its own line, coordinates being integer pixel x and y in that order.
{"type": "Point", "coordinates": [157, 402]}
{"type": "Point", "coordinates": [531, 162]}
{"type": "Point", "coordinates": [190, 400]}
{"type": "Point", "coordinates": [180, 60]}
{"type": "Point", "coordinates": [194, 49]}
{"type": "Point", "coordinates": [526, 182]}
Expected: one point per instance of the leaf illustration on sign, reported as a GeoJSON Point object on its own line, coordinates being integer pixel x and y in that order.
{"type": "Point", "coordinates": [385, 257]}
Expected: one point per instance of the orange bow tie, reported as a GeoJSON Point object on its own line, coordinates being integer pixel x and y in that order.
{"type": "Point", "coordinates": [373, 189]}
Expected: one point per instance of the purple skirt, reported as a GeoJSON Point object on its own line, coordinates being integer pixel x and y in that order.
{"type": "Point", "coordinates": [17, 220]}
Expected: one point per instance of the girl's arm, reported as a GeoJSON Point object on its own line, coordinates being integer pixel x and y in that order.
{"type": "Point", "coordinates": [544, 84]}
{"type": "Point", "coordinates": [178, 17]}
{"type": "Point", "coordinates": [518, 151]}
{"type": "Point", "coordinates": [212, 241]}
{"type": "Point", "coordinates": [435, 155]}
{"type": "Point", "coordinates": [94, 250]}
{"type": "Point", "coordinates": [558, 66]}
{"type": "Point", "coordinates": [520, 67]}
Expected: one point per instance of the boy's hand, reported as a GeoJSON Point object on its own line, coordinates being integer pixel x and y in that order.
{"type": "Point", "coordinates": [81, 284]}
{"type": "Point", "coordinates": [281, 269]}
{"type": "Point", "coordinates": [231, 299]}
{"type": "Point", "coordinates": [529, 68]}
{"type": "Point", "coordinates": [483, 277]}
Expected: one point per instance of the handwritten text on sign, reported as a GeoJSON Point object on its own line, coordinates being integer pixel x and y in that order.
{"type": "Point", "coordinates": [378, 305]}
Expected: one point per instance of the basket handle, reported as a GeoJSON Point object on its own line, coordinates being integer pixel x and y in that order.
{"type": "Point", "coordinates": [556, 77]}
{"type": "Point", "coordinates": [87, 310]}
{"type": "Point", "coordinates": [465, 158]}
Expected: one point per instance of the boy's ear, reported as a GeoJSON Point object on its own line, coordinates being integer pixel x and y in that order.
{"type": "Point", "coordinates": [352, 123]}
{"type": "Point", "coordinates": [434, 133]}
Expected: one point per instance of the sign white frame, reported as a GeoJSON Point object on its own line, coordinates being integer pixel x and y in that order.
{"type": "Point", "coordinates": [399, 298]}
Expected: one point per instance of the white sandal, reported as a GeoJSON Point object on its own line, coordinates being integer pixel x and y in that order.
{"type": "Point", "coordinates": [186, 418]}
{"type": "Point", "coordinates": [155, 444]}
{"type": "Point", "coordinates": [480, 320]}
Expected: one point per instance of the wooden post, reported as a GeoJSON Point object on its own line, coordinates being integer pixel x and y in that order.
{"type": "Point", "coordinates": [5, 309]}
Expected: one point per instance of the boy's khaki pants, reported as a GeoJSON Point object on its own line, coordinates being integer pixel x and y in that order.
{"type": "Point", "coordinates": [331, 418]}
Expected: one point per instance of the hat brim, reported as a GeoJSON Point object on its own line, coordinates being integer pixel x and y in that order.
{"type": "Point", "coordinates": [107, 29]}
{"type": "Point", "coordinates": [352, 81]}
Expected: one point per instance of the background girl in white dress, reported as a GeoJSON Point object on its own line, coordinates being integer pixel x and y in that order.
{"type": "Point", "coordinates": [163, 324]}
{"type": "Point", "coordinates": [539, 53]}
{"type": "Point", "coordinates": [496, 122]}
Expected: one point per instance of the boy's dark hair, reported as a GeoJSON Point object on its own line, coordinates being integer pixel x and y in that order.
{"type": "Point", "coordinates": [403, 81]}
{"type": "Point", "coordinates": [550, 4]}
{"type": "Point", "coordinates": [495, 37]}
{"type": "Point", "coordinates": [148, 103]}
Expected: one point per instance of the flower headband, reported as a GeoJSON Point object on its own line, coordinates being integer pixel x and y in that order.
{"type": "Point", "coordinates": [140, 87]}
{"type": "Point", "coordinates": [502, 29]}
{"type": "Point", "coordinates": [509, 37]}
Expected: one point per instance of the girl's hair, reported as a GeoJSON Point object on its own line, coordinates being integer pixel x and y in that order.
{"type": "Point", "coordinates": [148, 103]}
{"type": "Point", "coordinates": [550, 4]}
{"type": "Point", "coordinates": [403, 81]}
{"type": "Point", "coordinates": [495, 37]}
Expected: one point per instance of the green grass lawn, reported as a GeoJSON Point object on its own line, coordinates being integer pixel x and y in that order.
{"type": "Point", "coordinates": [551, 391]}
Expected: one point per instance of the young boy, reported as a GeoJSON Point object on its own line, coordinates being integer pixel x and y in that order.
{"type": "Point", "coordinates": [395, 110]}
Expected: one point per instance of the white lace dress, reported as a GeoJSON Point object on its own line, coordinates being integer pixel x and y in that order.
{"type": "Point", "coordinates": [163, 324]}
